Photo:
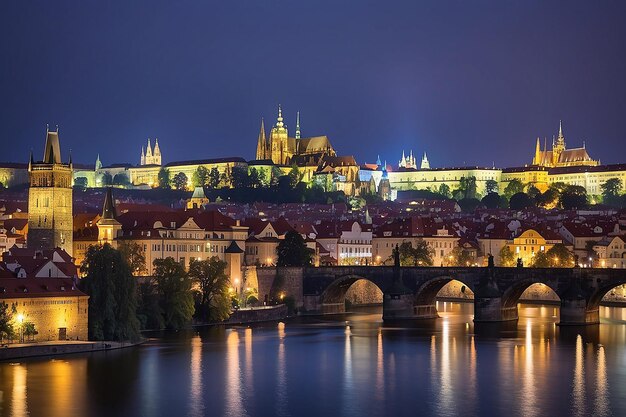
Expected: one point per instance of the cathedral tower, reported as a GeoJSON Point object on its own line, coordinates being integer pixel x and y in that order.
{"type": "Point", "coordinates": [558, 147]}
{"type": "Point", "coordinates": [50, 198]}
{"type": "Point", "coordinates": [156, 157]}
{"type": "Point", "coordinates": [279, 141]}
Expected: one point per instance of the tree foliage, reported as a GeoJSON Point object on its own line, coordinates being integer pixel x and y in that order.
{"type": "Point", "coordinates": [541, 260]}
{"type": "Point", "coordinates": [112, 291]}
{"type": "Point", "coordinates": [520, 201]}
{"type": "Point", "coordinates": [444, 190]}
{"type": "Point", "coordinates": [179, 181]}
{"type": "Point", "coordinates": [560, 256]}
{"type": "Point", "coordinates": [460, 257]}
{"type": "Point", "coordinates": [212, 282]}
{"type": "Point", "coordinates": [121, 179]}
{"type": "Point", "coordinates": [493, 200]}
{"type": "Point", "coordinates": [491, 186]}
{"type": "Point", "coordinates": [149, 310]}
{"type": "Point", "coordinates": [174, 288]}
{"type": "Point", "coordinates": [420, 255]}
{"type": "Point", "coordinates": [513, 187]}
{"type": "Point", "coordinates": [507, 257]}
{"type": "Point", "coordinates": [164, 179]}
{"type": "Point", "coordinates": [611, 190]}
{"type": "Point", "coordinates": [214, 178]}
{"type": "Point", "coordinates": [292, 251]}
{"type": "Point", "coordinates": [573, 197]}
{"type": "Point", "coordinates": [6, 322]}
{"type": "Point", "coordinates": [134, 256]}
{"type": "Point", "coordinates": [81, 182]}
{"type": "Point", "coordinates": [200, 177]}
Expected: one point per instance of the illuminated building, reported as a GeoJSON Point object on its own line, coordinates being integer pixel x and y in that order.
{"type": "Point", "coordinates": [50, 199]}
{"type": "Point", "coordinates": [560, 156]}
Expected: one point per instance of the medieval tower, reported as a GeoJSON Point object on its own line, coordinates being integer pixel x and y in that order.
{"type": "Point", "coordinates": [50, 198]}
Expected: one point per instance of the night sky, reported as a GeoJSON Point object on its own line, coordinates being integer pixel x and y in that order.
{"type": "Point", "coordinates": [469, 82]}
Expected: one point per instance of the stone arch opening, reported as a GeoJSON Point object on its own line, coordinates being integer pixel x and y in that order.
{"type": "Point", "coordinates": [426, 294]}
{"type": "Point", "coordinates": [333, 298]}
{"type": "Point", "coordinates": [513, 295]}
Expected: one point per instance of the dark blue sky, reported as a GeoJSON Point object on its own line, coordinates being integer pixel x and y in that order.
{"type": "Point", "coordinates": [468, 81]}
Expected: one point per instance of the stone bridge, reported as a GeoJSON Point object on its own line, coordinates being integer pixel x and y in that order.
{"type": "Point", "coordinates": [410, 292]}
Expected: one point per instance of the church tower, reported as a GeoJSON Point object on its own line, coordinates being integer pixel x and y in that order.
{"type": "Point", "coordinates": [108, 226]}
{"type": "Point", "coordinates": [156, 157]}
{"type": "Point", "coordinates": [279, 141]}
{"type": "Point", "coordinates": [149, 157]}
{"type": "Point", "coordinates": [538, 156]}
{"type": "Point", "coordinates": [50, 221]}
{"type": "Point", "coordinates": [261, 146]}
{"type": "Point", "coordinates": [142, 161]}
{"type": "Point", "coordinates": [558, 147]}
{"type": "Point", "coordinates": [425, 164]}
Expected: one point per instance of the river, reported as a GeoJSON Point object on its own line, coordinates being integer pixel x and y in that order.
{"type": "Point", "coordinates": [348, 365]}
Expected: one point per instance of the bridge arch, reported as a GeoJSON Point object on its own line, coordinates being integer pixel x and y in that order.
{"type": "Point", "coordinates": [512, 295]}
{"type": "Point", "coordinates": [333, 297]}
{"type": "Point", "coordinates": [427, 292]}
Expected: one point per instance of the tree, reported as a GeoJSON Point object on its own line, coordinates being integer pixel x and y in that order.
{"type": "Point", "coordinates": [214, 178]}
{"type": "Point", "coordinates": [253, 179]}
{"type": "Point", "coordinates": [174, 288]}
{"type": "Point", "coordinates": [134, 256]}
{"type": "Point", "coordinates": [149, 311]}
{"type": "Point", "coordinates": [491, 186]}
{"type": "Point", "coordinates": [560, 256]}
{"type": "Point", "coordinates": [240, 178]}
{"type": "Point", "coordinates": [180, 181]}
{"type": "Point", "coordinates": [81, 182]}
{"type": "Point", "coordinates": [611, 189]}
{"type": "Point", "coordinates": [29, 330]}
{"type": "Point", "coordinates": [121, 179]}
{"type": "Point", "coordinates": [548, 199]}
{"type": "Point", "coordinates": [468, 205]}
{"type": "Point", "coordinates": [164, 179]}
{"type": "Point", "coordinates": [292, 251]}
{"type": "Point", "coordinates": [6, 322]}
{"type": "Point", "coordinates": [492, 200]}
{"type": "Point", "coordinates": [200, 177]}
{"type": "Point", "coordinates": [106, 179]}
{"type": "Point", "coordinates": [541, 260]}
{"type": "Point", "coordinates": [507, 257]}
{"type": "Point", "coordinates": [467, 185]}
{"type": "Point", "coordinates": [275, 175]}
{"type": "Point", "coordinates": [295, 176]}
{"type": "Point", "coordinates": [520, 201]}
{"type": "Point", "coordinates": [214, 301]}
{"type": "Point", "coordinates": [420, 255]}
{"type": "Point", "coordinates": [573, 197]}
{"type": "Point", "coordinates": [532, 191]}
{"type": "Point", "coordinates": [113, 297]}
{"type": "Point", "coordinates": [513, 187]}
{"type": "Point", "coordinates": [444, 190]}
{"type": "Point", "coordinates": [460, 257]}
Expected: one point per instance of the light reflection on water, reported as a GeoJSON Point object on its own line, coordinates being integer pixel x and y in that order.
{"type": "Point", "coordinates": [349, 365]}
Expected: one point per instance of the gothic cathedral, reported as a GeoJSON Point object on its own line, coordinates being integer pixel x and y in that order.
{"type": "Point", "coordinates": [50, 198]}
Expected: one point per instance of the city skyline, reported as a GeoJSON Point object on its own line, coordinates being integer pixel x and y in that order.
{"type": "Point", "coordinates": [428, 77]}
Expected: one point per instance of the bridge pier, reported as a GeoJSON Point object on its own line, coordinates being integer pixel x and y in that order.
{"type": "Point", "coordinates": [490, 309]}
{"type": "Point", "coordinates": [402, 307]}
{"type": "Point", "coordinates": [576, 313]}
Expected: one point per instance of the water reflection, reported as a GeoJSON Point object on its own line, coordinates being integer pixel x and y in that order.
{"type": "Point", "coordinates": [234, 394]}
{"type": "Point", "coordinates": [444, 367]}
{"type": "Point", "coordinates": [19, 406]}
{"type": "Point", "coordinates": [281, 381]}
{"type": "Point", "coordinates": [578, 383]}
{"type": "Point", "coordinates": [196, 401]}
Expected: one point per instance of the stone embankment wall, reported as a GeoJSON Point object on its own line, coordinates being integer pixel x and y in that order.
{"type": "Point", "coordinates": [253, 315]}
{"type": "Point", "coordinates": [283, 280]}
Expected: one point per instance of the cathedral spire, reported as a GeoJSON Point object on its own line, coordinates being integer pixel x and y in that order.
{"type": "Point", "coordinates": [262, 147]}
{"type": "Point", "coordinates": [298, 125]}
{"type": "Point", "coordinates": [279, 119]}
{"type": "Point", "coordinates": [98, 162]}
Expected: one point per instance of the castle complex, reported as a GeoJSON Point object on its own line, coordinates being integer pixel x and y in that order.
{"type": "Point", "coordinates": [560, 156]}
{"type": "Point", "coordinates": [50, 198]}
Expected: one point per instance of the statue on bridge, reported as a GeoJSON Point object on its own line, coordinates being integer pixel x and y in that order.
{"type": "Point", "coordinates": [396, 256]}
{"type": "Point", "coordinates": [490, 262]}
{"type": "Point", "coordinates": [520, 264]}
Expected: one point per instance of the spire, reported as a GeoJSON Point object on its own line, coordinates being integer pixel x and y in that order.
{"type": "Point", "coordinates": [279, 119]}
{"type": "Point", "coordinates": [70, 160]}
{"type": "Point", "coordinates": [560, 128]}
{"type": "Point", "coordinates": [108, 208]}
{"type": "Point", "coordinates": [298, 125]}
{"type": "Point", "coordinates": [30, 160]}
{"type": "Point", "coordinates": [425, 164]}
{"type": "Point", "coordinates": [378, 163]}
{"type": "Point", "coordinates": [261, 147]}
{"type": "Point", "coordinates": [98, 163]}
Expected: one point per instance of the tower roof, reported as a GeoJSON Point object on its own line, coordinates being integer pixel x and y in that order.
{"type": "Point", "coordinates": [108, 208]}
{"type": "Point", "coordinates": [52, 151]}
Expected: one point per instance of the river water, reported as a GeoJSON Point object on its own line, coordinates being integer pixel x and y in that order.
{"type": "Point", "coordinates": [348, 365]}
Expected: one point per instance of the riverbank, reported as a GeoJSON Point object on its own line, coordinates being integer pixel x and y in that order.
{"type": "Point", "coordinates": [36, 349]}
